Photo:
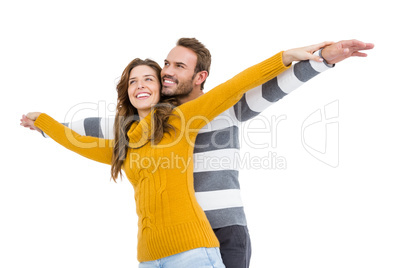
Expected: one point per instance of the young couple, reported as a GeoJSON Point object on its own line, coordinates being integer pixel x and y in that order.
{"type": "Point", "coordinates": [192, 216]}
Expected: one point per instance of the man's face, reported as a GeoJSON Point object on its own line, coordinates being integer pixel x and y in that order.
{"type": "Point", "coordinates": [178, 72]}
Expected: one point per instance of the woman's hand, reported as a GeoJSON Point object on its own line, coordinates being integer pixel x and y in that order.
{"type": "Point", "coordinates": [303, 53]}
{"type": "Point", "coordinates": [28, 121]}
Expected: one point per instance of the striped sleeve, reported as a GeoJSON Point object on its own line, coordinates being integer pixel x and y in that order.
{"type": "Point", "coordinates": [225, 95]}
{"type": "Point", "coordinates": [260, 98]}
{"type": "Point", "coordinates": [97, 127]}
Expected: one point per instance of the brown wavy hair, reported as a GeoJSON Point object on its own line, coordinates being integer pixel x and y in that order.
{"type": "Point", "coordinates": [127, 114]}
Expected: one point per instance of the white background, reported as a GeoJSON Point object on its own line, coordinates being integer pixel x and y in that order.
{"type": "Point", "coordinates": [61, 210]}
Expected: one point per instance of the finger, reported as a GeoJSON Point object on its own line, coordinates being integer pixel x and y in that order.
{"type": "Point", "coordinates": [316, 58]}
{"type": "Point", "coordinates": [367, 46]}
{"type": "Point", "coordinates": [356, 45]}
{"type": "Point", "coordinates": [327, 43]}
{"type": "Point", "coordinates": [25, 120]}
{"type": "Point", "coordinates": [352, 43]}
{"type": "Point", "coordinates": [359, 54]}
{"type": "Point", "coordinates": [321, 45]}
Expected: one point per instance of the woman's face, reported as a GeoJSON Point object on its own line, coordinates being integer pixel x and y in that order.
{"type": "Point", "coordinates": [143, 89]}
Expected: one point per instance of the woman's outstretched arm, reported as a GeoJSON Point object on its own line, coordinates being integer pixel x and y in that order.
{"type": "Point", "coordinates": [223, 96]}
{"type": "Point", "coordinates": [100, 150]}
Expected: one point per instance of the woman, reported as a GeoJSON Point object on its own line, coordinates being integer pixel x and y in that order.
{"type": "Point", "coordinates": [155, 151]}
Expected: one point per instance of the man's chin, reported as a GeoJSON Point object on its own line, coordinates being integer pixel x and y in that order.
{"type": "Point", "coordinates": [168, 91]}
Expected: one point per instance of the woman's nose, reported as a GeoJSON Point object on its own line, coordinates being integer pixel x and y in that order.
{"type": "Point", "coordinates": [140, 85]}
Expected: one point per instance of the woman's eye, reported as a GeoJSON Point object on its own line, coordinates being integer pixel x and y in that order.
{"type": "Point", "coordinates": [132, 82]}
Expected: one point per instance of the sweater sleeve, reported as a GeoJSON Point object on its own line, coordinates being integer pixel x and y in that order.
{"type": "Point", "coordinates": [99, 127]}
{"type": "Point", "coordinates": [206, 107]}
{"type": "Point", "coordinates": [100, 150]}
{"type": "Point", "coordinates": [260, 98]}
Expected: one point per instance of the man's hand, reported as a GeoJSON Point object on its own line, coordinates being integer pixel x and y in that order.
{"type": "Point", "coordinates": [341, 50]}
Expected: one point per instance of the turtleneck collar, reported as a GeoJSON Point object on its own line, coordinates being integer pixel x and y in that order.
{"type": "Point", "coordinates": [139, 133]}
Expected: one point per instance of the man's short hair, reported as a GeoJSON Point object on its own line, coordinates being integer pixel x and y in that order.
{"type": "Point", "coordinates": [203, 54]}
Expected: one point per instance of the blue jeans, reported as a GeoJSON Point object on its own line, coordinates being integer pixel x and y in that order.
{"type": "Point", "coordinates": [195, 258]}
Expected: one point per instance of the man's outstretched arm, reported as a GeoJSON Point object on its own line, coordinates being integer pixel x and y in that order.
{"type": "Point", "coordinates": [260, 98]}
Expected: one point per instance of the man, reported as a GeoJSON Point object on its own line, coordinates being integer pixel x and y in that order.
{"type": "Point", "coordinates": [217, 188]}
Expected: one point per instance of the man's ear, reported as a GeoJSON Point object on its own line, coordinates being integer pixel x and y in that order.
{"type": "Point", "coordinates": [201, 77]}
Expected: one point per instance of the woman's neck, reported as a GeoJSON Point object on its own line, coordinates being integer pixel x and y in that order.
{"type": "Point", "coordinates": [143, 113]}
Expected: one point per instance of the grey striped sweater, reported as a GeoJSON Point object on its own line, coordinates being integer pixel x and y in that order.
{"type": "Point", "coordinates": [217, 147]}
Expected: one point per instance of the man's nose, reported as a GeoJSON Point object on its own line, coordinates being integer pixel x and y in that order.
{"type": "Point", "coordinates": [167, 70]}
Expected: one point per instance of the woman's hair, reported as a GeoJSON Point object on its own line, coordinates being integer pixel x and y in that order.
{"type": "Point", "coordinates": [127, 114]}
{"type": "Point", "coordinates": [203, 54]}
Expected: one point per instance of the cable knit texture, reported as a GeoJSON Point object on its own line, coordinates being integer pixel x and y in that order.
{"type": "Point", "coordinates": [170, 220]}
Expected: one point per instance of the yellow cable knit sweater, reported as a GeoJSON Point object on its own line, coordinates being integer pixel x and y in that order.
{"type": "Point", "coordinates": [170, 220]}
